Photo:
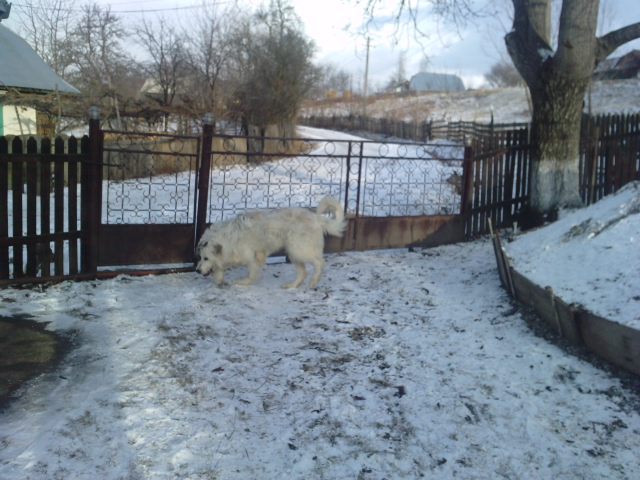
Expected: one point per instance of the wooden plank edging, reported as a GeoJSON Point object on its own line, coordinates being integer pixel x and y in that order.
{"type": "Point", "coordinates": [614, 342]}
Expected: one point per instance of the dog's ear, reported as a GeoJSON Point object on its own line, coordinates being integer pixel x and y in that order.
{"type": "Point", "coordinates": [217, 249]}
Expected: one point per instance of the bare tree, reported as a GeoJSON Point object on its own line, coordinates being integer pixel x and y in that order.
{"type": "Point", "coordinates": [101, 64]}
{"type": "Point", "coordinates": [330, 81]}
{"type": "Point", "coordinates": [209, 48]}
{"type": "Point", "coordinates": [504, 74]}
{"type": "Point", "coordinates": [399, 78]}
{"type": "Point", "coordinates": [165, 68]}
{"type": "Point", "coordinates": [273, 68]}
{"type": "Point", "coordinates": [46, 25]}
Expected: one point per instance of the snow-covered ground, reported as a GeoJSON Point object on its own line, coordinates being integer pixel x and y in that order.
{"type": "Point", "coordinates": [503, 104]}
{"type": "Point", "coordinates": [591, 257]}
{"type": "Point", "coordinates": [400, 365]}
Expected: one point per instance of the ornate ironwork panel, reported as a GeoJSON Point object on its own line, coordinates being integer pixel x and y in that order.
{"type": "Point", "coordinates": [371, 178]}
{"type": "Point", "coordinates": [149, 178]}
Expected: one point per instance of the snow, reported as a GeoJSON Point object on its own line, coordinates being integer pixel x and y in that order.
{"type": "Point", "coordinates": [545, 54]}
{"type": "Point", "coordinates": [589, 250]}
{"type": "Point", "coordinates": [503, 105]}
{"type": "Point", "coordinates": [402, 364]}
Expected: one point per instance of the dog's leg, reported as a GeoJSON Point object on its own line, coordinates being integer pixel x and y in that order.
{"type": "Point", "coordinates": [301, 274]}
{"type": "Point", "coordinates": [318, 265]}
{"type": "Point", "coordinates": [255, 267]}
{"type": "Point", "coordinates": [218, 277]}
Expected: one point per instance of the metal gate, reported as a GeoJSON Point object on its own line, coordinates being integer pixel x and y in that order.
{"type": "Point", "coordinates": [140, 200]}
{"type": "Point", "coordinates": [149, 194]}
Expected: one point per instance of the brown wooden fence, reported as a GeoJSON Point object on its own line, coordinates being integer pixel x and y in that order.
{"type": "Point", "coordinates": [418, 131]}
{"type": "Point", "coordinates": [498, 180]}
{"type": "Point", "coordinates": [43, 207]}
{"type": "Point", "coordinates": [610, 154]}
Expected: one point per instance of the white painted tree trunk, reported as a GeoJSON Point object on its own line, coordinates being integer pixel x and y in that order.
{"type": "Point", "coordinates": [557, 80]}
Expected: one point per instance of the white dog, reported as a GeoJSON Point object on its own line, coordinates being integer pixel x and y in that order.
{"type": "Point", "coordinates": [250, 238]}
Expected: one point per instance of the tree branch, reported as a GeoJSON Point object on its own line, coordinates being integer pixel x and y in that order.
{"type": "Point", "coordinates": [525, 45]}
{"type": "Point", "coordinates": [612, 40]}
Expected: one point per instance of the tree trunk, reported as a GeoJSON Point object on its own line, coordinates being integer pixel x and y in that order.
{"type": "Point", "coordinates": [558, 80]}
{"type": "Point", "coordinates": [557, 112]}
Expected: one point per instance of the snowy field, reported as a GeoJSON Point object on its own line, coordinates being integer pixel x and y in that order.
{"type": "Point", "coordinates": [504, 105]}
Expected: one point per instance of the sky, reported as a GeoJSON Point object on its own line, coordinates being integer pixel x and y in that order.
{"type": "Point", "coordinates": [335, 26]}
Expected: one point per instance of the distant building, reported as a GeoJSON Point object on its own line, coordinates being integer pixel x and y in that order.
{"type": "Point", "coordinates": [435, 82]}
{"type": "Point", "coordinates": [617, 68]}
{"type": "Point", "coordinates": [22, 70]}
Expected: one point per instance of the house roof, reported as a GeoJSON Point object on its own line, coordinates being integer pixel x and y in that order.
{"type": "Point", "coordinates": [630, 60]}
{"type": "Point", "coordinates": [436, 82]}
{"type": "Point", "coordinates": [22, 68]}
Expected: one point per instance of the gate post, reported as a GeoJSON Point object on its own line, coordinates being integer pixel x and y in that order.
{"type": "Point", "coordinates": [204, 173]}
{"type": "Point", "coordinates": [92, 195]}
{"type": "Point", "coordinates": [467, 188]}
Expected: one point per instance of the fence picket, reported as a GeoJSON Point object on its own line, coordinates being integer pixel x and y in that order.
{"type": "Point", "coordinates": [45, 207]}
{"type": "Point", "coordinates": [4, 210]}
{"type": "Point", "coordinates": [17, 186]}
{"type": "Point", "coordinates": [58, 207]}
{"type": "Point", "coordinates": [32, 195]}
{"type": "Point", "coordinates": [72, 204]}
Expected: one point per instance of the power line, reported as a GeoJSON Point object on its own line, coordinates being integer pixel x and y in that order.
{"type": "Point", "coordinates": [26, 7]}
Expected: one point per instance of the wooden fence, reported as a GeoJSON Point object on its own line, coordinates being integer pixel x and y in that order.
{"type": "Point", "coordinates": [497, 185]}
{"type": "Point", "coordinates": [41, 193]}
{"type": "Point", "coordinates": [610, 154]}
{"type": "Point", "coordinates": [418, 131]}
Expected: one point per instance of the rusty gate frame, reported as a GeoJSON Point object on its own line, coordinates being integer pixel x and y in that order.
{"type": "Point", "coordinates": [151, 244]}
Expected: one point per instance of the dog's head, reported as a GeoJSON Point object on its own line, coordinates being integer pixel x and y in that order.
{"type": "Point", "coordinates": [209, 257]}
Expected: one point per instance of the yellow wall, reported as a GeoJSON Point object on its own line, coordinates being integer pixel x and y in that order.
{"type": "Point", "coordinates": [22, 123]}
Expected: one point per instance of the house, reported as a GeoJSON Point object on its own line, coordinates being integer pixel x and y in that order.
{"type": "Point", "coordinates": [23, 71]}
{"type": "Point", "coordinates": [617, 68]}
{"type": "Point", "coordinates": [435, 82]}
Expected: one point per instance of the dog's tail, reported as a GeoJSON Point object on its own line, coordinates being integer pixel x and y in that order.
{"type": "Point", "coordinates": [336, 224]}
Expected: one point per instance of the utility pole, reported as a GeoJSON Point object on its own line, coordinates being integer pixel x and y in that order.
{"type": "Point", "coordinates": [366, 68]}
{"type": "Point", "coordinates": [366, 77]}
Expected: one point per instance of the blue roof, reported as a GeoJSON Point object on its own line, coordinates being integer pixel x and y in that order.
{"type": "Point", "coordinates": [435, 82]}
{"type": "Point", "coordinates": [22, 68]}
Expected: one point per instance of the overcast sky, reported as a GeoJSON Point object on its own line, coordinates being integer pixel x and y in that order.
{"type": "Point", "coordinates": [335, 26]}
